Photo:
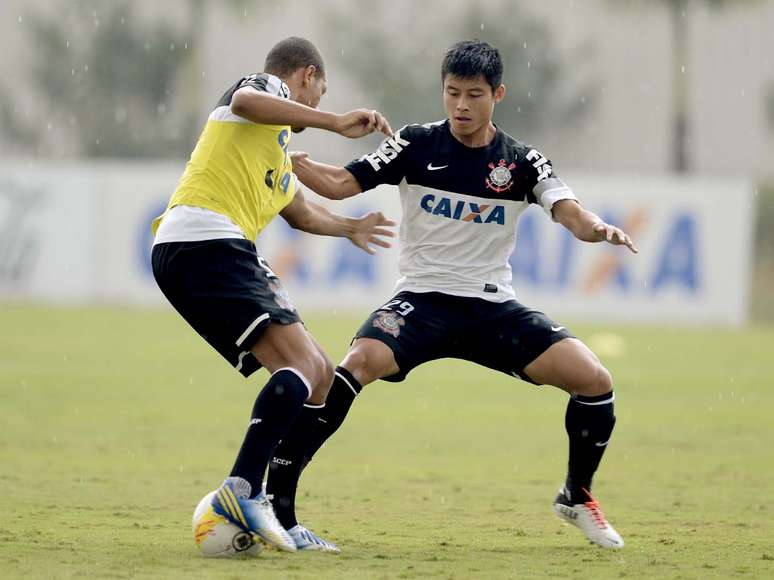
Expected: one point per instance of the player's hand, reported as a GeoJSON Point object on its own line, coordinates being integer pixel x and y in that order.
{"type": "Point", "coordinates": [298, 157]}
{"type": "Point", "coordinates": [361, 122]}
{"type": "Point", "coordinates": [614, 235]}
{"type": "Point", "coordinates": [371, 229]}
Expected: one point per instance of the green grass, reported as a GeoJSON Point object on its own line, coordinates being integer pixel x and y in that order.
{"type": "Point", "coordinates": [114, 422]}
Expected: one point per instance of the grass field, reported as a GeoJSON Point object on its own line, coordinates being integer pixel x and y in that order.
{"type": "Point", "coordinates": [114, 422]}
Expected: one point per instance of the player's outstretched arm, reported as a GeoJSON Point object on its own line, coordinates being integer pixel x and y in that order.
{"type": "Point", "coordinates": [368, 230]}
{"type": "Point", "coordinates": [269, 109]}
{"type": "Point", "coordinates": [326, 180]}
{"type": "Point", "coordinates": [588, 226]}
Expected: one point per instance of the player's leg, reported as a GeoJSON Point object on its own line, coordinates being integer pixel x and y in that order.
{"type": "Point", "coordinates": [388, 345]}
{"type": "Point", "coordinates": [371, 360]}
{"type": "Point", "coordinates": [238, 305]}
{"type": "Point", "coordinates": [526, 343]}
{"type": "Point", "coordinates": [300, 371]}
{"type": "Point", "coordinates": [405, 333]}
{"type": "Point", "coordinates": [367, 361]}
{"type": "Point", "coordinates": [315, 424]}
{"type": "Point", "coordinates": [589, 420]}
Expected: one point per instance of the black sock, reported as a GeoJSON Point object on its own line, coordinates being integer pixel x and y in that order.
{"type": "Point", "coordinates": [589, 422]}
{"type": "Point", "coordinates": [312, 428]}
{"type": "Point", "coordinates": [275, 410]}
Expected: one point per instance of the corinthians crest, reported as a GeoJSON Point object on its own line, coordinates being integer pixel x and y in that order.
{"type": "Point", "coordinates": [389, 322]}
{"type": "Point", "coordinates": [500, 178]}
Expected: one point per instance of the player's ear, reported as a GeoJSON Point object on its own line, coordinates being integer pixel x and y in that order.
{"type": "Point", "coordinates": [309, 74]}
{"type": "Point", "coordinates": [499, 93]}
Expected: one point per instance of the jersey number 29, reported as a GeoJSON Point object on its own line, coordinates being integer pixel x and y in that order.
{"type": "Point", "coordinates": [399, 306]}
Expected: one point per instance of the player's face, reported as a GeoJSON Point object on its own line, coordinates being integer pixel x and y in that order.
{"type": "Point", "coordinates": [317, 88]}
{"type": "Point", "coordinates": [469, 103]}
{"type": "Point", "coordinates": [312, 90]}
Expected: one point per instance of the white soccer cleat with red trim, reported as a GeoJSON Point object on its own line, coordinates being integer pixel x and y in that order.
{"type": "Point", "coordinates": [589, 518]}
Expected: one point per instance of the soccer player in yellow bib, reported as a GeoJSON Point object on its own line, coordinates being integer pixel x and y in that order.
{"type": "Point", "coordinates": [205, 261]}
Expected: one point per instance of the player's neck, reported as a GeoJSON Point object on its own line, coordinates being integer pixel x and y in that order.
{"type": "Point", "coordinates": [480, 138]}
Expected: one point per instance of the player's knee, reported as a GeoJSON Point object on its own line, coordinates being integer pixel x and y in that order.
{"type": "Point", "coordinates": [356, 361]}
{"type": "Point", "coordinates": [605, 383]}
{"type": "Point", "coordinates": [593, 379]}
{"type": "Point", "coordinates": [326, 375]}
{"type": "Point", "coordinates": [320, 371]}
{"type": "Point", "coordinates": [312, 365]}
{"type": "Point", "coordinates": [369, 362]}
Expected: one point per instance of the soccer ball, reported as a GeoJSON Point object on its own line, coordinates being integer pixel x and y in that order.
{"type": "Point", "coordinates": [219, 538]}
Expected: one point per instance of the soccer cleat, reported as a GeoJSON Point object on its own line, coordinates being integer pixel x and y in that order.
{"type": "Point", "coordinates": [252, 515]}
{"type": "Point", "coordinates": [589, 518]}
{"type": "Point", "coordinates": [307, 540]}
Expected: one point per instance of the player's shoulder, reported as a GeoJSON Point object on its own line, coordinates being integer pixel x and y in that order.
{"type": "Point", "coordinates": [261, 81]}
{"type": "Point", "coordinates": [421, 131]}
{"type": "Point", "coordinates": [265, 82]}
{"type": "Point", "coordinates": [528, 159]}
{"type": "Point", "coordinates": [520, 148]}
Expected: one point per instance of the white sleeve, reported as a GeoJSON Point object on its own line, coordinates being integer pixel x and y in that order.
{"type": "Point", "coordinates": [549, 191]}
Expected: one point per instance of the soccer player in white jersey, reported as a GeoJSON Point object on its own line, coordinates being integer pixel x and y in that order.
{"type": "Point", "coordinates": [463, 184]}
{"type": "Point", "coordinates": [206, 263]}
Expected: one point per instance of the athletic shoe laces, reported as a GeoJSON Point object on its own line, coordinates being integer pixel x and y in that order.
{"type": "Point", "coordinates": [595, 511]}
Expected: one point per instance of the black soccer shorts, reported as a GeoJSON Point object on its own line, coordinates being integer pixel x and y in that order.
{"type": "Point", "coordinates": [423, 326]}
{"type": "Point", "coordinates": [225, 291]}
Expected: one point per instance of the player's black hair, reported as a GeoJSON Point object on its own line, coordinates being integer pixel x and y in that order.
{"type": "Point", "coordinates": [470, 58]}
{"type": "Point", "coordinates": [291, 54]}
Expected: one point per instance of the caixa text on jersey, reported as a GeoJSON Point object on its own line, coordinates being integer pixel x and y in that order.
{"type": "Point", "coordinates": [466, 211]}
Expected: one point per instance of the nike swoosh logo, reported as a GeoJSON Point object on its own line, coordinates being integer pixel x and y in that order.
{"type": "Point", "coordinates": [557, 328]}
{"type": "Point", "coordinates": [602, 444]}
{"type": "Point", "coordinates": [431, 167]}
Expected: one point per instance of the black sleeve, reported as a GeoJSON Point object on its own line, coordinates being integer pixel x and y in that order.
{"type": "Point", "coordinates": [538, 169]}
{"type": "Point", "coordinates": [542, 185]}
{"type": "Point", "coordinates": [388, 163]}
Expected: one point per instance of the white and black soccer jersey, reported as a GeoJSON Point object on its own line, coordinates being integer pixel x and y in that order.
{"type": "Point", "coordinates": [460, 206]}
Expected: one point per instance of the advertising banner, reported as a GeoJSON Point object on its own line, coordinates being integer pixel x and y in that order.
{"type": "Point", "coordinates": [81, 233]}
